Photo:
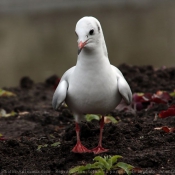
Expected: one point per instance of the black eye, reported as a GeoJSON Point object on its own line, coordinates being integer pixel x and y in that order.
{"type": "Point", "coordinates": [91, 32]}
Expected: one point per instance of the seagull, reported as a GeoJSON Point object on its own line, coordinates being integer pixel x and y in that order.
{"type": "Point", "coordinates": [93, 85]}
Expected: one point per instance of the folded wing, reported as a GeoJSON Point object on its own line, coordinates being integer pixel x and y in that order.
{"type": "Point", "coordinates": [60, 94]}
{"type": "Point", "coordinates": [123, 86]}
{"type": "Point", "coordinates": [61, 90]}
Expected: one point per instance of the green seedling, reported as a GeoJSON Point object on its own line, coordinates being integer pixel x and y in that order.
{"type": "Point", "coordinates": [103, 165]}
{"type": "Point", "coordinates": [110, 119]}
{"type": "Point", "coordinates": [3, 113]}
{"type": "Point", "coordinates": [6, 93]}
{"type": "Point", "coordinates": [56, 144]}
{"type": "Point", "coordinates": [52, 136]}
{"type": "Point", "coordinates": [90, 117]}
{"type": "Point", "coordinates": [41, 146]}
{"type": "Point", "coordinates": [172, 94]}
{"type": "Point", "coordinates": [107, 119]}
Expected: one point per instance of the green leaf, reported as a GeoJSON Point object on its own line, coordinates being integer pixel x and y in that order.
{"type": "Point", "coordinates": [107, 157]}
{"type": "Point", "coordinates": [172, 94]}
{"type": "Point", "coordinates": [13, 113]}
{"type": "Point", "coordinates": [109, 119]}
{"type": "Point", "coordinates": [88, 166]}
{"type": "Point", "coordinates": [45, 145]}
{"type": "Point", "coordinates": [115, 158]}
{"type": "Point", "coordinates": [99, 172]}
{"type": "Point", "coordinates": [56, 144]}
{"type": "Point", "coordinates": [101, 165]}
{"type": "Point", "coordinates": [41, 146]}
{"type": "Point", "coordinates": [74, 170]}
{"type": "Point", "coordinates": [3, 113]}
{"type": "Point", "coordinates": [140, 93]}
{"type": "Point", "coordinates": [91, 166]}
{"type": "Point", "coordinates": [98, 165]}
{"type": "Point", "coordinates": [83, 169]}
{"type": "Point", "coordinates": [52, 136]}
{"type": "Point", "coordinates": [103, 162]}
{"type": "Point", "coordinates": [126, 167]}
{"type": "Point", "coordinates": [109, 161]}
{"type": "Point", "coordinates": [90, 117]}
{"type": "Point", "coordinates": [6, 93]}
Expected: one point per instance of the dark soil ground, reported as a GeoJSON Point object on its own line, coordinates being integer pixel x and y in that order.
{"type": "Point", "coordinates": [133, 137]}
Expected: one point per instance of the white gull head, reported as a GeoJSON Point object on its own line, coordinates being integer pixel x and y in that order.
{"type": "Point", "coordinates": [90, 35]}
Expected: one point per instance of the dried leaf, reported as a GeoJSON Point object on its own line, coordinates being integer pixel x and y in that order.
{"type": "Point", "coordinates": [23, 113]}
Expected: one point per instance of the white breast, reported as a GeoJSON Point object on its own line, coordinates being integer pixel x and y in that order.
{"type": "Point", "coordinates": [93, 91]}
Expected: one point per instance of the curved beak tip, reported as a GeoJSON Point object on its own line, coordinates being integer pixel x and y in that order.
{"type": "Point", "coordinates": [80, 46]}
{"type": "Point", "coordinates": [79, 50]}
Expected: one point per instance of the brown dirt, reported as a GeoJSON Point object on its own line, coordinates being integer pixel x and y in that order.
{"type": "Point", "coordinates": [133, 137]}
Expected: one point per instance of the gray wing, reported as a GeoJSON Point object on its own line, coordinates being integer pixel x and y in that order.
{"type": "Point", "coordinates": [61, 90]}
{"type": "Point", "coordinates": [123, 86]}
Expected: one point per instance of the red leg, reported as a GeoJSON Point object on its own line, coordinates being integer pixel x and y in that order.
{"type": "Point", "coordinates": [99, 149]}
{"type": "Point", "coordinates": [79, 148]}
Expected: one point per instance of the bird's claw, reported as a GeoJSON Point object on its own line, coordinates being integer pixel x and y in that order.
{"type": "Point", "coordinates": [79, 148]}
{"type": "Point", "coordinates": [99, 149]}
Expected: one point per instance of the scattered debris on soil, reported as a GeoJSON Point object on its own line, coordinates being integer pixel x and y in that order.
{"type": "Point", "coordinates": [36, 139]}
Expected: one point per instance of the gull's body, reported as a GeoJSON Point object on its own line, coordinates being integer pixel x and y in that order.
{"type": "Point", "coordinates": [93, 86]}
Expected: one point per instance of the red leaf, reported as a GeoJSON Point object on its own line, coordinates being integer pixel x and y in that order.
{"type": "Point", "coordinates": [161, 97]}
{"type": "Point", "coordinates": [148, 96]}
{"type": "Point", "coordinates": [172, 106]}
{"type": "Point", "coordinates": [164, 95]}
{"type": "Point", "coordinates": [142, 100]}
{"type": "Point", "coordinates": [140, 97]}
{"type": "Point", "coordinates": [167, 129]}
{"type": "Point", "coordinates": [2, 138]}
{"type": "Point", "coordinates": [167, 113]}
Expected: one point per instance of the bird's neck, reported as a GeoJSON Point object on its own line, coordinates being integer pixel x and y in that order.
{"type": "Point", "coordinates": [95, 58]}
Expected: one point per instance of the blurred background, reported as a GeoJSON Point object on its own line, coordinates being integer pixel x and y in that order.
{"type": "Point", "coordinates": [37, 37]}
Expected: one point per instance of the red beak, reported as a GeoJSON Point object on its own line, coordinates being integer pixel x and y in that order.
{"type": "Point", "coordinates": [80, 46]}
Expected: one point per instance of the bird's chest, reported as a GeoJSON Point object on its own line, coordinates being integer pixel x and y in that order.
{"type": "Point", "coordinates": [91, 90]}
{"type": "Point", "coordinates": [87, 86]}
